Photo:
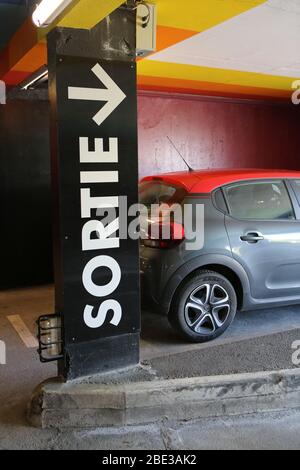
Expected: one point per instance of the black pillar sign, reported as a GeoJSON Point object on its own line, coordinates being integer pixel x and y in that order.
{"type": "Point", "coordinates": [94, 153]}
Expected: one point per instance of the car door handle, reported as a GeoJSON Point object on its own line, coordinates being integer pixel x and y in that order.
{"type": "Point", "coordinates": [252, 237]}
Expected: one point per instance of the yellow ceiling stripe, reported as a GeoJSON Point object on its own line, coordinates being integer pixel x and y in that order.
{"type": "Point", "coordinates": [199, 15]}
{"type": "Point", "coordinates": [87, 13]}
{"type": "Point", "coordinates": [175, 85]}
{"type": "Point", "coordinates": [207, 74]}
{"type": "Point", "coordinates": [194, 15]}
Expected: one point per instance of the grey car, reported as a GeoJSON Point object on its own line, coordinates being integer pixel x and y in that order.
{"type": "Point", "coordinates": [250, 256]}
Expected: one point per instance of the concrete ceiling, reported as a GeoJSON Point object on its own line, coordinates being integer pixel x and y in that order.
{"type": "Point", "coordinates": [245, 48]}
{"type": "Point", "coordinates": [264, 40]}
{"type": "Point", "coordinates": [252, 52]}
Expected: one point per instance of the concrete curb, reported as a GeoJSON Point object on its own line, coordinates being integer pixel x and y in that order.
{"type": "Point", "coordinates": [77, 405]}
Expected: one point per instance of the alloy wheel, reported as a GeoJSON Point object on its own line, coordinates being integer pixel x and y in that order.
{"type": "Point", "coordinates": [207, 308]}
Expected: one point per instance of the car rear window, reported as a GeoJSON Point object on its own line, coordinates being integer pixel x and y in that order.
{"type": "Point", "coordinates": [158, 192]}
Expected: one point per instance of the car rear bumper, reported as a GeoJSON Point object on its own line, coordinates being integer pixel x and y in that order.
{"type": "Point", "coordinates": [151, 278]}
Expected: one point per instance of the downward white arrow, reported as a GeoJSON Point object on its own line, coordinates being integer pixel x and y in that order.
{"type": "Point", "coordinates": [112, 94]}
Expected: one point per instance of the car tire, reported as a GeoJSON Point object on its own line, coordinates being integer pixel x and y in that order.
{"type": "Point", "coordinates": [204, 307]}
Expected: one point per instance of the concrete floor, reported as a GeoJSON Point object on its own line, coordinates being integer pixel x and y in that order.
{"type": "Point", "coordinates": [254, 432]}
{"type": "Point", "coordinates": [256, 341]}
{"type": "Point", "coordinates": [159, 339]}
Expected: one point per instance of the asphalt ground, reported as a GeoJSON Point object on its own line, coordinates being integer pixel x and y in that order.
{"type": "Point", "coordinates": [256, 341]}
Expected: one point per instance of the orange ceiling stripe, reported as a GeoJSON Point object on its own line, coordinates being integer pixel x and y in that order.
{"type": "Point", "coordinates": [33, 60]}
{"type": "Point", "coordinates": [207, 88]}
{"type": "Point", "coordinates": [167, 36]}
{"type": "Point", "coordinates": [23, 40]}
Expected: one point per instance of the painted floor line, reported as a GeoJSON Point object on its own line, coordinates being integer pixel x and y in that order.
{"type": "Point", "coordinates": [26, 336]}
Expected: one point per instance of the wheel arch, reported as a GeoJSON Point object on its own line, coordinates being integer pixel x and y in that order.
{"type": "Point", "coordinates": [223, 265]}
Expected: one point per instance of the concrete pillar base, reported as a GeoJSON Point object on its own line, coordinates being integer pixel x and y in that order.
{"type": "Point", "coordinates": [137, 397]}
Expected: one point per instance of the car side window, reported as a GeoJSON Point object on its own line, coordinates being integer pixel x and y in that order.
{"type": "Point", "coordinates": [296, 188]}
{"type": "Point", "coordinates": [220, 201]}
{"type": "Point", "coordinates": [263, 200]}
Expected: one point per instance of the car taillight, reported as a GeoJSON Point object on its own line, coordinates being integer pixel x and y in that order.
{"type": "Point", "coordinates": [161, 235]}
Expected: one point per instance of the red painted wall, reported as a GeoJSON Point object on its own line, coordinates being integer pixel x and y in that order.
{"type": "Point", "coordinates": [214, 133]}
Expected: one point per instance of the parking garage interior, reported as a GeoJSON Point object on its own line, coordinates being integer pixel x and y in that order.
{"type": "Point", "coordinates": [219, 85]}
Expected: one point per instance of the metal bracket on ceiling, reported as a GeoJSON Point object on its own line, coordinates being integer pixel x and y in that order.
{"type": "Point", "coordinates": [134, 5]}
{"type": "Point", "coordinates": [131, 4]}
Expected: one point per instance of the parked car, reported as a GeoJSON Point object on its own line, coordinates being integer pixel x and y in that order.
{"type": "Point", "coordinates": [251, 253]}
